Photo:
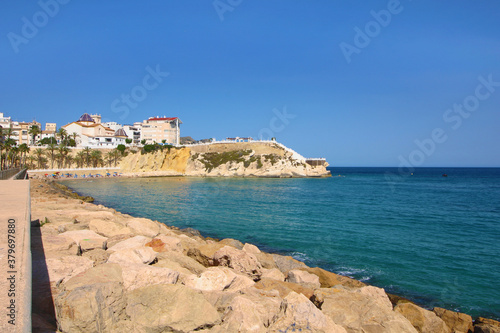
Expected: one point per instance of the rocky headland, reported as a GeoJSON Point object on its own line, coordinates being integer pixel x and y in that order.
{"type": "Point", "coordinates": [98, 270]}
{"type": "Point", "coordinates": [238, 159]}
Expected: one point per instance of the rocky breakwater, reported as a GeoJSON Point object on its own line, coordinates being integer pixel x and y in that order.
{"type": "Point", "coordinates": [97, 270]}
{"type": "Point", "coordinates": [242, 159]}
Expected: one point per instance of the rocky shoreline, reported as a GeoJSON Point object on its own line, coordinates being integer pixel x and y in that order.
{"type": "Point", "coordinates": [98, 270]}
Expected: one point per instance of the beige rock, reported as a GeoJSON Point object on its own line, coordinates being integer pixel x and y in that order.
{"type": "Point", "coordinates": [232, 242]}
{"type": "Point", "coordinates": [273, 273]}
{"type": "Point", "coordinates": [171, 243]}
{"type": "Point", "coordinates": [328, 279]}
{"type": "Point", "coordinates": [457, 322]}
{"type": "Point", "coordinates": [98, 256]}
{"type": "Point", "coordinates": [113, 240]}
{"type": "Point", "coordinates": [144, 227]}
{"type": "Point", "coordinates": [485, 325]}
{"type": "Point", "coordinates": [92, 301]}
{"type": "Point", "coordinates": [366, 309]}
{"type": "Point", "coordinates": [266, 260]}
{"type": "Point", "coordinates": [164, 308]}
{"type": "Point", "coordinates": [204, 254]}
{"type": "Point", "coordinates": [244, 315]}
{"type": "Point", "coordinates": [86, 239]}
{"type": "Point", "coordinates": [304, 278]}
{"type": "Point", "coordinates": [64, 268]}
{"type": "Point", "coordinates": [423, 320]}
{"type": "Point", "coordinates": [219, 278]}
{"type": "Point", "coordinates": [139, 275]}
{"type": "Point", "coordinates": [58, 244]}
{"type": "Point", "coordinates": [166, 258]}
{"type": "Point", "coordinates": [250, 248]}
{"type": "Point", "coordinates": [141, 255]}
{"type": "Point", "coordinates": [108, 228]}
{"type": "Point", "coordinates": [130, 243]}
{"type": "Point", "coordinates": [286, 263]}
{"type": "Point", "coordinates": [72, 226]}
{"type": "Point", "coordinates": [283, 287]}
{"type": "Point", "coordinates": [297, 313]}
{"type": "Point", "coordinates": [238, 260]}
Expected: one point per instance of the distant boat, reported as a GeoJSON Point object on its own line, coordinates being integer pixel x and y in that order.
{"type": "Point", "coordinates": [445, 175]}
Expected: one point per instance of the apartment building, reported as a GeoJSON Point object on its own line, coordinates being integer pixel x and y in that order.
{"type": "Point", "coordinates": [157, 129]}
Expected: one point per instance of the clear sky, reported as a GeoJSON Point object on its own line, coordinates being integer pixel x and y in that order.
{"type": "Point", "coordinates": [365, 83]}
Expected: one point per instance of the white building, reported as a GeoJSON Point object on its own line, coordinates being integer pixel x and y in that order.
{"type": "Point", "coordinates": [161, 130]}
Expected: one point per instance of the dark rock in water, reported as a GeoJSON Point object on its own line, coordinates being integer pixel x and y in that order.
{"type": "Point", "coordinates": [190, 232]}
{"type": "Point", "coordinates": [395, 299]}
{"type": "Point", "coordinates": [232, 242]}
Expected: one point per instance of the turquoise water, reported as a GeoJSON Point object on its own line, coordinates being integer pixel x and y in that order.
{"type": "Point", "coordinates": [433, 239]}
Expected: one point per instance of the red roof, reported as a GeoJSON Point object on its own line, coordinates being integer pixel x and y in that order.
{"type": "Point", "coordinates": [167, 118]}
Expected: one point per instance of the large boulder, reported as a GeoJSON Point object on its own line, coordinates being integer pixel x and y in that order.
{"type": "Point", "coordinates": [273, 273]}
{"type": "Point", "coordinates": [86, 239]}
{"type": "Point", "coordinates": [166, 308]}
{"type": "Point", "coordinates": [64, 268]}
{"type": "Point", "coordinates": [366, 309]}
{"type": "Point", "coordinates": [130, 243]}
{"type": "Point", "coordinates": [174, 260]}
{"type": "Point", "coordinates": [204, 254]}
{"type": "Point", "coordinates": [303, 278]}
{"type": "Point", "coordinates": [485, 325]}
{"type": "Point", "coordinates": [55, 244]}
{"type": "Point", "coordinates": [139, 275]}
{"type": "Point", "coordinates": [250, 248]}
{"type": "Point", "coordinates": [247, 313]}
{"type": "Point", "coordinates": [108, 228]}
{"type": "Point", "coordinates": [287, 263]}
{"type": "Point", "coordinates": [457, 322]}
{"type": "Point", "coordinates": [238, 260]}
{"type": "Point", "coordinates": [144, 227]}
{"type": "Point", "coordinates": [98, 256]}
{"type": "Point", "coordinates": [283, 287]}
{"type": "Point", "coordinates": [297, 313]}
{"type": "Point", "coordinates": [266, 260]}
{"type": "Point", "coordinates": [328, 279]}
{"type": "Point", "coordinates": [166, 243]}
{"type": "Point", "coordinates": [232, 242]}
{"type": "Point", "coordinates": [219, 278]}
{"type": "Point", "coordinates": [92, 301]}
{"type": "Point", "coordinates": [424, 321]}
{"type": "Point", "coordinates": [141, 255]}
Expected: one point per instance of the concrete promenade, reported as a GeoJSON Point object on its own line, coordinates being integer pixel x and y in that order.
{"type": "Point", "coordinates": [15, 256]}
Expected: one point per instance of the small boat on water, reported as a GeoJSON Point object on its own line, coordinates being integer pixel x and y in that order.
{"type": "Point", "coordinates": [445, 175]}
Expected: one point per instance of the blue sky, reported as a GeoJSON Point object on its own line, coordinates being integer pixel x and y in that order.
{"type": "Point", "coordinates": [286, 68]}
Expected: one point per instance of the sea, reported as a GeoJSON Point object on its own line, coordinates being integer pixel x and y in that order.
{"type": "Point", "coordinates": [431, 235]}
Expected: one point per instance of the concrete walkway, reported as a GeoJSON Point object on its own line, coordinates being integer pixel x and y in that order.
{"type": "Point", "coordinates": [15, 256]}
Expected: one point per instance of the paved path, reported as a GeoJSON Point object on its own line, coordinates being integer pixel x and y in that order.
{"type": "Point", "coordinates": [15, 267]}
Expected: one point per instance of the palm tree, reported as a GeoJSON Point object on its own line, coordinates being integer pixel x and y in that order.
{"type": "Point", "coordinates": [87, 152]}
{"type": "Point", "coordinates": [74, 135]}
{"type": "Point", "coordinates": [34, 131]}
{"type": "Point", "coordinates": [110, 156]}
{"type": "Point", "coordinates": [63, 151]}
{"type": "Point", "coordinates": [63, 134]}
{"type": "Point", "coordinates": [96, 157]}
{"type": "Point", "coordinates": [39, 157]}
{"type": "Point", "coordinates": [80, 158]}
{"type": "Point", "coordinates": [51, 153]}
{"type": "Point", "coordinates": [23, 150]}
{"type": "Point", "coordinates": [32, 162]}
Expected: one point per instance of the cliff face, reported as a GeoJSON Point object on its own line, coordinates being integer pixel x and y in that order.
{"type": "Point", "coordinates": [245, 159]}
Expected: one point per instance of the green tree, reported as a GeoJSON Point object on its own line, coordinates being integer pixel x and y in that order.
{"type": "Point", "coordinates": [51, 154]}
{"type": "Point", "coordinates": [87, 152]}
{"type": "Point", "coordinates": [34, 131]}
{"type": "Point", "coordinates": [23, 151]}
{"type": "Point", "coordinates": [63, 134]}
{"type": "Point", "coordinates": [96, 157]}
{"type": "Point", "coordinates": [39, 157]}
{"type": "Point", "coordinates": [128, 141]}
